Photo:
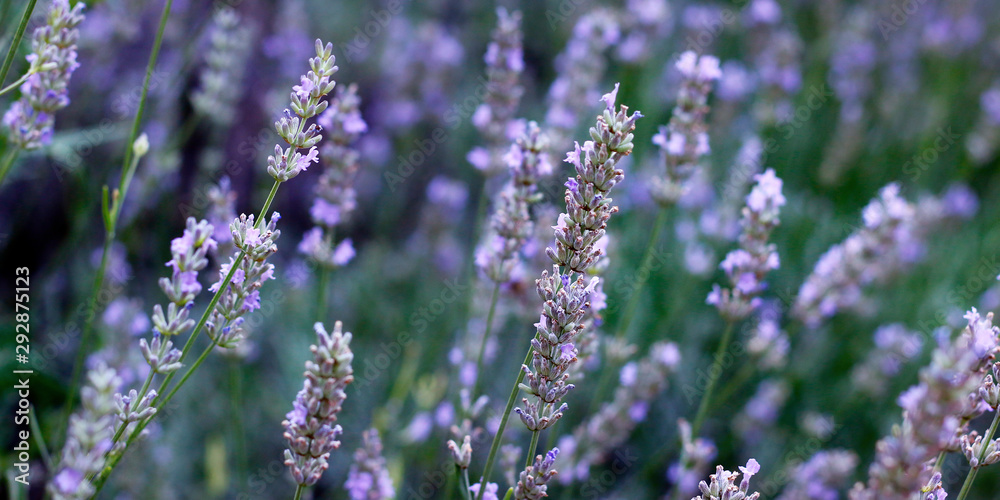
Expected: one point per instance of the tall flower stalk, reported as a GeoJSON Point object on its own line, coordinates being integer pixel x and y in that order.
{"type": "Point", "coordinates": [311, 428]}
{"type": "Point", "coordinates": [565, 293]}
{"type": "Point", "coordinates": [307, 101]}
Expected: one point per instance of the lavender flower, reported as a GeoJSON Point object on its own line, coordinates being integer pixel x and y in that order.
{"type": "Point", "coordinates": [307, 102]}
{"type": "Point", "coordinates": [511, 224]}
{"type": "Point", "coordinates": [221, 211]}
{"type": "Point", "coordinates": [532, 483]}
{"type": "Point", "coordinates": [219, 89]}
{"type": "Point", "coordinates": [335, 196]}
{"type": "Point", "coordinates": [903, 461]}
{"type": "Point", "coordinates": [890, 241]}
{"type": "Point", "coordinates": [821, 477]}
{"type": "Point", "coordinates": [768, 343]}
{"type": "Point", "coordinates": [565, 296]}
{"type": "Point", "coordinates": [747, 266]}
{"type": "Point", "coordinates": [495, 118]}
{"type": "Point", "coordinates": [310, 428]}
{"type": "Point", "coordinates": [640, 383]}
{"type": "Point", "coordinates": [368, 478]}
{"type": "Point", "coordinates": [242, 294]}
{"type": "Point", "coordinates": [53, 59]}
{"type": "Point", "coordinates": [722, 485]}
{"type": "Point", "coordinates": [188, 254]}
{"type": "Point", "coordinates": [88, 438]}
{"type": "Point", "coordinates": [761, 411]}
{"type": "Point", "coordinates": [489, 494]}
{"type": "Point", "coordinates": [685, 139]}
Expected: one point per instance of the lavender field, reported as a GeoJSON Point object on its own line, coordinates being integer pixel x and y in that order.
{"type": "Point", "coordinates": [638, 249]}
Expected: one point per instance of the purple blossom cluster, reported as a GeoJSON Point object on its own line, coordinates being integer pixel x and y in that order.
{"type": "Point", "coordinates": [226, 59]}
{"type": "Point", "coordinates": [52, 61]}
{"type": "Point", "coordinates": [723, 486]}
{"type": "Point", "coordinates": [685, 139]}
{"type": "Point", "coordinates": [511, 225]}
{"type": "Point", "coordinates": [894, 345]}
{"type": "Point", "coordinates": [890, 241]}
{"type": "Point", "coordinates": [747, 266]}
{"type": "Point", "coordinates": [821, 477]}
{"type": "Point", "coordinates": [311, 428]}
{"type": "Point", "coordinates": [905, 462]}
{"type": "Point", "coordinates": [88, 438]}
{"type": "Point", "coordinates": [495, 117]}
{"type": "Point", "coordinates": [242, 293]}
{"type": "Point", "coordinates": [533, 481]}
{"type": "Point", "coordinates": [335, 195]}
{"type": "Point", "coordinates": [368, 478]}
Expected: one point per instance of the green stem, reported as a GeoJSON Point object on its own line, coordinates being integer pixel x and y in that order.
{"type": "Point", "coordinates": [735, 383]}
{"type": "Point", "coordinates": [7, 161]}
{"type": "Point", "coordinates": [503, 425]}
{"type": "Point", "coordinates": [14, 85]}
{"type": "Point", "coordinates": [322, 283]}
{"type": "Point", "coordinates": [466, 486]}
{"type": "Point", "coordinates": [36, 434]}
{"type": "Point", "coordinates": [16, 41]}
{"type": "Point", "coordinates": [967, 485]}
{"type": "Point", "coordinates": [486, 336]}
{"type": "Point", "coordinates": [714, 374]}
{"type": "Point", "coordinates": [531, 449]}
{"type": "Point", "coordinates": [298, 491]}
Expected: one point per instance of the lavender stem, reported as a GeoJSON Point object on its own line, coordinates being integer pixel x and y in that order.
{"type": "Point", "coordinates": [503, 424]}
{"type": "Point", "coordinates": [967, 485]}
{"type": "Point", "coordinates": [716, 368]}
{"type": "Point", "coordinates": [486, 336]}
{"type": "Point", "coordinates": [15, 42]}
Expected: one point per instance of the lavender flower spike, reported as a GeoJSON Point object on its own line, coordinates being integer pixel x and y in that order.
{"type": "Point", "coordinates": [747, 266]}
{"type": "Point", "coordinates": [307, 102]}
{"type": "Point", "coordinates": [310, 428]}
{"type": "Point", "coordinates": [368, 478]}
{"type": "Point", "coordinates": [53, 59]}
{"type": "Point", "coordinates": [88, 438]}
{"type": "Point", "coordinates": [723, 486]}
{"type": "Point", "coordinates": [495, 118]}
{"type": "Point", "coordinates": [566, 296]}
{"type": "Point", "coordinates": [685, 139]}
{"type": "Point", "coordinates": [219, 89]}
{"type": "Point", "coordinates": [532, 483]}
{"type": "Point", "coordinates": [335, 196]}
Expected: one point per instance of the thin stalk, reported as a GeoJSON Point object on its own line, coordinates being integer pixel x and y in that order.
{"type": "Point", "coordinates": [16, 83]}
{"type": "Point", "coordinates": [298, 491]}
{"type": "Point", "coordinates": [509, 495]}
{"type": "Point", "coordinates": [7, 161]}
{"type": "Point", "coordinates": [466, 486]}
{"type": "Point", "coordinates": [531, 449]}
{"type": "Point", "coordinates": [322, 283]}
{"type": "Point", "coordinates": [16, 41]}
{"type": "Point", "coordinates": [714, 375]}
{"type": "Point", "coordinates": [503, 425]}
{"type": "Point", "coordinates": [967, 485]}
{"type": "Point", "coordinates": [486, 336]}
{"type": "Point", "coordinates": [36, 434]}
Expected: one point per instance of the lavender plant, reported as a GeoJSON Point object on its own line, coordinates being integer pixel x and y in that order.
{"type": "Point", "coordinates": [311, 428]}
{"type": "Point", "coordinates": [368, 478]}
{"type": "Point", "coordinates": [722, 485]}
{"type": "Point", "coordinates": [564, 293]}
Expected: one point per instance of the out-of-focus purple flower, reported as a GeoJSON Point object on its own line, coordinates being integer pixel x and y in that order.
{"type": "Point", "coordinates": [369, 478]}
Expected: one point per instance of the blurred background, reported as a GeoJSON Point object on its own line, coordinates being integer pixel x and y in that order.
{"type": "Point", "coordinates": [839, 98]}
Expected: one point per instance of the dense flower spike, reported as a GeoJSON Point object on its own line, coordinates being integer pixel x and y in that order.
{"type": "Point", "coordinates": [218, 93]}
{"type": "Point", "coordinates": [566, 296]}
{"type": "Point", "coordinates": [335, 196]}
{"type": "Point", "coordinates": [890, 241]}
{"type": "Point", "coordinates": [640, 383]}
{"type": "Point", "coordinates": [242, 294]}
{"type": "Point", "coordinates": [495, 118]}
{"type": "Point", "coordinates": [685, 139]}
{"type": "Point", "coordinates": [307, 102]}
{"type": "Point", "coordinates": [903, 461]}
{"type": "Point", "coordinates": [310, 428]}
{"type": "Point", "coordinates": [532, 485]}
{"type": "Point", "coordinates": [222, 211]}
{"type": "Point", "coordinates": [723, 486]}
{"type": "Point", "coordinates": [511, 225]}
{"type": "Point", "coordinates": [747, 266]}
{"type": "Point", "coordinates": [368, 478]}
{"type": "Point", "coordinates": [53, 60]}
{"type": "Point", "coordinates": [88, 438]}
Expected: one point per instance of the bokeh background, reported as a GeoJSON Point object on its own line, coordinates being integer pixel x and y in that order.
{"type": "Point", "coordinates": [839, 98]}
